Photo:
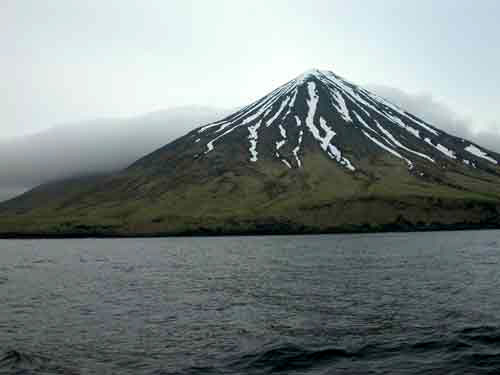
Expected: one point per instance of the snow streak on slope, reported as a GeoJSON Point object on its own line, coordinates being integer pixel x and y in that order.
{"type": "Point", "coordinates": [396, 143]}
{"type": "Point", "coordinates": [441, 148]}
{"type": "Point", "coordinates": [253, 140]}
{"type": "Point", "coordinates": [394, 152]}
{"type": "Point", "coordinates": [325, 141]}
{"type": "Point", "coordinates": [296, 150]}
{"type": "Point", "coordinates": [480, 153]}
{"type": "Point", "coordinates": [360, 119]}
{"type": "Point", "coordinates": [343, 120]}
{"type": "Point", "coordinates": [341, 106]}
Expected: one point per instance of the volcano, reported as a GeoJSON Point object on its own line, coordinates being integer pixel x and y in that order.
{"type": "Point", "coordinates": [318, 154]}
{"type": "Point", "coordinates": [320, 111]}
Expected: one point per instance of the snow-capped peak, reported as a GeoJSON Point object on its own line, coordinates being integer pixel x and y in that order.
{"type": "Point", "coordinates": [307, 74]}
{"type": "Point", "coordinates": [345, 121]}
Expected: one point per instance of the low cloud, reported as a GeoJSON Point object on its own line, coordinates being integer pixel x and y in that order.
{"type": "Point", "coordinates": [438, 114]}
{"type": "Point", "coordinates": [99, 146]}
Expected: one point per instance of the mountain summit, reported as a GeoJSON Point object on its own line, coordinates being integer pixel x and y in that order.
{"type": "Point", "coordinates": [320, 110]}
{"type": "Point", "coordinates": [318, 154]}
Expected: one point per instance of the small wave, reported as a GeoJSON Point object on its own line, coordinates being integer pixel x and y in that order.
{"type": "Point", "coordinates": [24, 266]}
{"type": "Point", "coordinates": [491, 244]}
{"type": "Point", "coordinates": [290, 357]}
{"type": "Point", "coordinates": [478, 329]}
{"type": "Point", "coordinates": [16, 362]}
{"type": "Point", "coordinates": [194, 370]}
{"type": "Point", "coordinates": [123, 268]}
{"type": "Point", "coordinates": [44, 261]}
{"type": "Point", "coordinates": [14, 357]}
{"type": "Point", "coordinates": [448, 351]}
{"type": "Point", "coordinates": [486, 335]}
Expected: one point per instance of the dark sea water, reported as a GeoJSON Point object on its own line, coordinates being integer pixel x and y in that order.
{"type": "Point", "coordinates": [421, 303]}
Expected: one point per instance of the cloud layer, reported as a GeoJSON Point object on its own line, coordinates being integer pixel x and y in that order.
{"type": "Point", "coordinates": [442, 116]}
{"type": "Point", "coordinates": [91, 147]}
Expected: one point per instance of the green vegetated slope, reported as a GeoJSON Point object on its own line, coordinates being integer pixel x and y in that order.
{"type": "Point", "coordinates": [263, 198]}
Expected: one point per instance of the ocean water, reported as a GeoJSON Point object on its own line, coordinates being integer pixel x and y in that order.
{"type": "Point", "coordinates": [419, 303]}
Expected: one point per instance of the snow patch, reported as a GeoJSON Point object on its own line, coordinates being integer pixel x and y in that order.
{"type": "Point", "coordinates": [331, 79]}
{"type": "Point", "coordinates": [349, 89]}
{"type": "Point", "coordinates": [400, 145]}
{"type": "Point", "coordinates": [335, 153]}
{"type": "Point", "coordinates": [360, 119]}
{"type": "Point", "coordinates": [283, 105]}
{"type": "Point", "coordinates": [294, 97]}
{"type": "Point", "coordinates": [307, 74]}
{"type": "Point", "coordinates": [280, 144]}
{"type": "Point", "coordinates": [446, 151]}
{"type": "Point", "coordinates": [297, 119]}
{"type": "Point", "coordinates": [211, 125]}
{"type": "Point", "coordinates": [401, 112]}
{"type": "Point", "coordinates": [471, 149]}
{"type": "Point", "coordinates": [441, 148]}
{"type": "Point", "coordinates": [331, 150]}
{"type": "Point", "coordinates": [386, 148]}
{"type": "Point", "coordinates": [253, 141]}
{"type": "Point", "coordinates": [297, 149]}
{"type": "Point", "coordinates": [312, 103]}
{"type": "Point", "coordinates": [266, 103]}
{"type": "Point", "coordinates": [329, 133]}
{"type": "Point", "coordinates": [342, 107]}
{"type": "Point", "coordinates": [282, 131]}
{"type": "Point", "coordinates": [400, 123]}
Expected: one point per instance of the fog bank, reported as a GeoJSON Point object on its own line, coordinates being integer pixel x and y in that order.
{"type": "Point", "coordinates": [91, 147]}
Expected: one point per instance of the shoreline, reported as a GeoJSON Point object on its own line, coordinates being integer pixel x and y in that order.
{"type": "Point", "coordinates": [389, 228]}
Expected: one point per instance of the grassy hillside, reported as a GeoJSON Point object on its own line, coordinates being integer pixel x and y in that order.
{"type": "Point", "coordinates": [258, 198]}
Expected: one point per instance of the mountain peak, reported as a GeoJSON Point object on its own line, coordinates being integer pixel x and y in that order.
{"type": "Point", "coordinates": [309, 73]}
{"type": "Point", "coordinates": [321, 112]}
{"type": "Point", "coordinates": [313, 74]}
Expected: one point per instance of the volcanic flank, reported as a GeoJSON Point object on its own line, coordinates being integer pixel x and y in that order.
{"type": "Point", "coordinates": [318, 154]}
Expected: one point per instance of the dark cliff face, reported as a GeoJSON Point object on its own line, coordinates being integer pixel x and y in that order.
{"type": "Point", "coordinates": [317, 154]}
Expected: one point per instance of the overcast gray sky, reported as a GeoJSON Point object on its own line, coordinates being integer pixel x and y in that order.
{"type": "Point", "coordinates": [69, 60]}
